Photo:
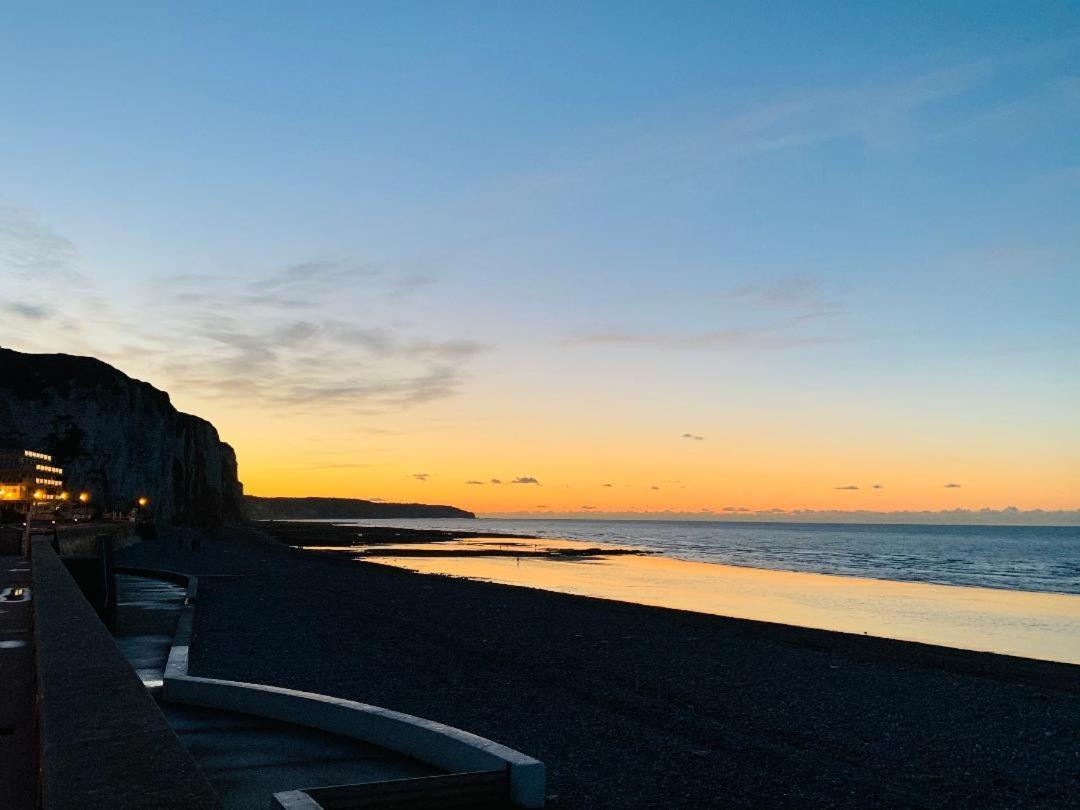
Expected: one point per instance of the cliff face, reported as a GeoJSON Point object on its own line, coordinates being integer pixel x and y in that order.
{"type": "Point", "coordinates": [117, 438]}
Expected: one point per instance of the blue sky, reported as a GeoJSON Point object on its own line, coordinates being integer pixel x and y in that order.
{"type": "Point", "coordinates": [444, 214]}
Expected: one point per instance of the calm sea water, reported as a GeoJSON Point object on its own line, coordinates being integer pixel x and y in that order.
{"type": "Point", "coordinates": [1014, 557]}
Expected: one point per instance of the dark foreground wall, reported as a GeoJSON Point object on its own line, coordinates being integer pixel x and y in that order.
{"type": "Point", "coordinates": [117, 437]}
{"type": "Point", "coordinates": [104, 742]}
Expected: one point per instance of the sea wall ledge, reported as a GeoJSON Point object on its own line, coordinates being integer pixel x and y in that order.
{"type": "Point", "coordinates": [104, 741]}
{"type": "Point", "coordinates": [446, 747]}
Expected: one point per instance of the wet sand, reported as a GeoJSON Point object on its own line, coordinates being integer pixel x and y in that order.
{"type": "Point", "coordinates": [636, 706]}
{"type": "Point", "coordinates": [1024, 623]}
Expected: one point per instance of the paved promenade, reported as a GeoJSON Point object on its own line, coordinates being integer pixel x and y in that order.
{"type": "Point", "coordinates": [18, 726]}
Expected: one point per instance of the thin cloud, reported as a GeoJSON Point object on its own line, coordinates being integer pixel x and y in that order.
{"type": "Point", "coordinates": [307, 275]}
{"type": "Point", "coordinates": [952, 485]}
{"type": "Point", "coordinates": [849, 486]}
{"type": "Point", "coordinates": [406, 285]}
{"type": "Point", "coordinates": [654, 487]}
{"type": "Point", "coordinates": [791, 292]}
{"type": "Point", "coordinates": [609, 486]}
{"type": "Point", "coordinates": [219, 338]}
{"type": "Point", "coordinates": [496, 481]}
{"type": "Point", "coordinates": [31, 312]}
{"type": "Point", "coordinates": [693, 436]}
{"type": "Point", "coordinates": [421, 476]}
{"type": "Point", "coordinates": [525, 479]}
{"type": "Point", "coordinates": [785, 333]}
{"type": "Point", "coordinates": [475, 483]}
{"type": "Point", "coordinates": [32, 249]}
{"type": "Point", "coordinates": [877, 486]}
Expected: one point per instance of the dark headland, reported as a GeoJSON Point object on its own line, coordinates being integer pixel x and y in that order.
{"type": "Point", "coordinates": [259, 508]}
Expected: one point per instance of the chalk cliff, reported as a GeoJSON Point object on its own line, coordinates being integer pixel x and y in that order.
{"type": "Point", "coordinates": [117, 437]}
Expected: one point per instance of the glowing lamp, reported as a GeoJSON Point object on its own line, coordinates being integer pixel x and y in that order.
{"type": "Point", "coordinates": [39, 495]}
{"type": "Point", "coordinates": [84, 497]}
{"type": "Point", "coordinates": [144, 501]}
{"type": "Point", "coordinates": [64, 496]}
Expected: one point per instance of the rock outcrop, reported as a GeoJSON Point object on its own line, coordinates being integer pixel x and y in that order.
{"type": "Point", "coordinates": [117, 438]}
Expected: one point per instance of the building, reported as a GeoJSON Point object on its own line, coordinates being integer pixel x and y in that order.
{"type": "Point", "coordinates": [27, 476]}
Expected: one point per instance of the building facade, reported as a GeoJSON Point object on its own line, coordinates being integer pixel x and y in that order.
{"type": "Point", "coordinates": [29, 477]}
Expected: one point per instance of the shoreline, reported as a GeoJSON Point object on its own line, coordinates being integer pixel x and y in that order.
{"type": "Point", "coordinates": [1032, 624]}
{"type": "Point", "coordinates": [727, 554]}
{"type": "Point", "coordinates": [638, 706]}
{"type": "Point", "coordinates": [1042, 626]}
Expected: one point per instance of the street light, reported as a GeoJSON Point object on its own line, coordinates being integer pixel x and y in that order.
{"type": "Point", "coordinates": [65, 496]}
{"type": "Point", "coordinates": [84, 497]}
{"type": "Point", "coordinates": [143, 501]}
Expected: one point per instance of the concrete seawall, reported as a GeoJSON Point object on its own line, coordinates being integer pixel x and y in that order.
{"type": "Point", "coordinates": [104, 741]}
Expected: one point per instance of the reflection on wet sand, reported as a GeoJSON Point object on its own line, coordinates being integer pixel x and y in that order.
{"type": "Point", "coordinates": [485, 546]}
{"type": "Point", "coordinates": [1034, 625]}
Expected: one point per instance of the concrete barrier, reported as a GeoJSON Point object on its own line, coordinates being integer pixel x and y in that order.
{"type": "Point", "coordinates": [446, 747]}
{"type": "Point", "coordinates": [104, 742]}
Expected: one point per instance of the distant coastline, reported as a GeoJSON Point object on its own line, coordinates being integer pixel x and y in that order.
{"type": "Point", "coordinates": [259, 508]}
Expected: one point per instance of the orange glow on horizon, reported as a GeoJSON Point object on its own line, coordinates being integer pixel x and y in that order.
{"type": "Point", "coordinates": [789, 459]}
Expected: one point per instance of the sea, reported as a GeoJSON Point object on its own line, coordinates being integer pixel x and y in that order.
{"type": "Point", "coordinates": [1021, 558]}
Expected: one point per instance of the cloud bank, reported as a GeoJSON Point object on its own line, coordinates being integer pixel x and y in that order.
{"type": "Point", "coordinates": [1009, 516]}
{"type": "Point", "coordinates": [318, 335]}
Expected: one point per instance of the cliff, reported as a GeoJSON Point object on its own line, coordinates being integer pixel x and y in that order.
{"type": "Point", "coordinates": [117, 438]}
{"type": "Point", "coordinates": [328, 508]}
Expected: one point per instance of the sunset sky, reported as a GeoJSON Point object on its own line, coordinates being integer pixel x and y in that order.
{"type": "Point", "coordinates": [631, 256]}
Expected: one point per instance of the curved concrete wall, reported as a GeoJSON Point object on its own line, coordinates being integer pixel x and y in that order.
{"type": "Point", "coordinates": [444, 746]}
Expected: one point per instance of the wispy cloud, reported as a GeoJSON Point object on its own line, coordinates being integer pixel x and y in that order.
{"type": "Point", "coordinates": [525, 479]}
{"type": "Point", "coordinates": [475, 483]}
{"type": "Point", "coordinates": [879, 112]}
{"type": "Point", "coordinates": [694, 437]}
{"type": "Point", "coordinates": [791, 292]}
{"type": "Point", "coordinates": [31, 312]}
{"type": "Point", "coordinates": [848, 487]}
{"type": "Point", "coordinates": [952, 485]}
{"type": "Point", "coordinates": [785, 333]}
{"type": "Point", "coordinates": [31, 249]}
{"type": "Point", "coordinates": [305, 336]}
{"type": "Point", "coordinates": [420, 476]}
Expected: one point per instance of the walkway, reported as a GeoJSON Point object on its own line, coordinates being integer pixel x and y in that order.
{"type": "Point", "coordinates": [245, 758]}
{"type": "Point", "coordinates": [18, 726]}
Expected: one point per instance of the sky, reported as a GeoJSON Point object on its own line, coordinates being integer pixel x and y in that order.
{"type": "Point", "coordinates": [568, 257]}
